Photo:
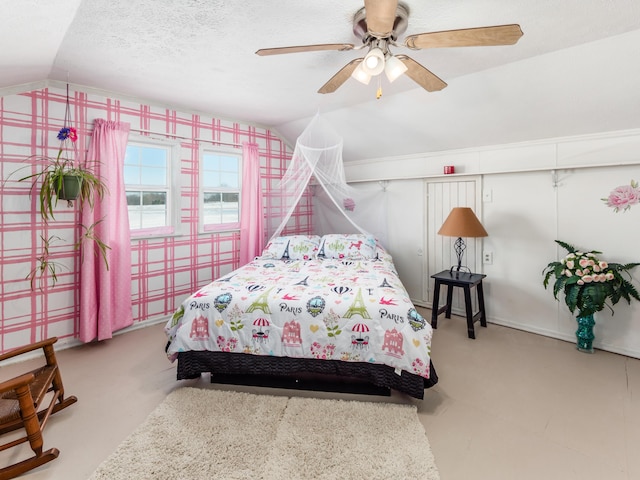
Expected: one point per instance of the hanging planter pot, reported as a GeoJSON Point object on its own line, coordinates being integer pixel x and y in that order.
{"type": "Point", "coordinates": [68, 186]}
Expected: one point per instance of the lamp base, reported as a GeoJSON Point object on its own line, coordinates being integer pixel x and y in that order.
{"type": "Point", "coordinates": [459, 268]}
{"type": "Point", "coordinates": [459, 247]}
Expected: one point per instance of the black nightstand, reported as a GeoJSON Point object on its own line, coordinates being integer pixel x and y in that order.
{"type": "Point", "coordinates": [466, 281]}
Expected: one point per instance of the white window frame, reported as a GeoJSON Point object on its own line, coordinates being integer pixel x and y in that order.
{"type": "Point", "coordinates": [223, 227]}
{"type": "Point", "coordinates": [172, 187]}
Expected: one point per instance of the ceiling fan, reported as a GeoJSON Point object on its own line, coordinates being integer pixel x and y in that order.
{"type": "Point", "coordinates": [378, 24]}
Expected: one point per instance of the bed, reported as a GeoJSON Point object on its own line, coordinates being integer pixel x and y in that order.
{"type": "Point", "coordinates": [331, 306]}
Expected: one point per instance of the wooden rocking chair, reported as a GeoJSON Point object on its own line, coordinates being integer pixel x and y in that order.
{"type": "Point", "coordinates": [21, 399]}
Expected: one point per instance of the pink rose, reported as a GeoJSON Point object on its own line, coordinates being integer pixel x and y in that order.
{"type": "Point", "coordinates": [623, 197]}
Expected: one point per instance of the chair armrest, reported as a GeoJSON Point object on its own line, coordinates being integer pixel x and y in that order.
{"type": "Point", "coordinates": [28, 348]}
{"type": "Point", "coordinates": [17, 382]}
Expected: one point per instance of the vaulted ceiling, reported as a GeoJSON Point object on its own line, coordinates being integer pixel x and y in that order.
{"type": "Point", "coordinates": [575, 70]}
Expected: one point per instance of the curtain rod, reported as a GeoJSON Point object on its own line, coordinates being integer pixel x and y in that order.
{"type": "Point", "coordinates": [151, 132]}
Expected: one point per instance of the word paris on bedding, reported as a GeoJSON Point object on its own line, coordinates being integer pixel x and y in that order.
{"type": "Point", "coordinates": [331, 298]}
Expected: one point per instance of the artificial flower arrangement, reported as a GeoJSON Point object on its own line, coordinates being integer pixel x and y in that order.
{"type": "Point", "coordinates": [588, 282]}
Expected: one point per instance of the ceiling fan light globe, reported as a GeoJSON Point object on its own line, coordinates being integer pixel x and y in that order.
{"type": "Point", "coordinates": [373, 63]}
{"type": "Point", "coordinates": [361, 75]}
{"type": "Point", "coordinates": [394, 68]}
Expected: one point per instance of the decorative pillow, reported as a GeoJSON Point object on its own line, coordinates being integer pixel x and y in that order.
{"type": "Point", "coordinates": [302, 247]}
{"type": "Point", "coordinates": [275, 248]}
{"type": "Point", "coordinates": [349, 245]}
{"type": "Point", "coordinates": [293, 247]}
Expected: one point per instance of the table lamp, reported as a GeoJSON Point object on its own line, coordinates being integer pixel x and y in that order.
{"type": "Point", "coordinates": [461, 222]}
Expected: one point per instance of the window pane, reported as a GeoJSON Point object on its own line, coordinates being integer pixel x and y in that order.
{"type": "Point", "coordinates": [133, 198]}
{"type": "Point", "coordinates": [154, 157]}
{"type": "Point", "coordinates": [221, 208]}
{"type": "Point", "coordinates": [230, 208]}
{"type": "Point", "coordinates": [230, 198]}
{"type": "Point", "coordinates": [135, 210]}
{"type": "Point", "coordinates": [230, 164]}
{"type": "Point", "coordinates": [132, 155]}
{"type": "Point", "coordinates": [220, 171]}
{"type": "Point", "coordinates": [210, 197]}
{"type": "Point", "coordinates": [146, 165]}
{"type": "Point", "coordinates": [135, 217]}
{"type": "Point", "coordinates": [229, 180]}
{"type": "Point", "coordinates": [211, 179]}
{"type": "Point", "coordinates": [131, 175]}
{"type": "Point", "coordinates": [154, 198]}
{"type": "Point", "coordinates": [210, 162]}
{"type": "Point", "coordinates": [153, 176]}
{"type": "Point", "coordinates": [154, 209]}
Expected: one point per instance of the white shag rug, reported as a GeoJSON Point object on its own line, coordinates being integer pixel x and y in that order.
{"type": "Point", "coordinates": [212, 434]}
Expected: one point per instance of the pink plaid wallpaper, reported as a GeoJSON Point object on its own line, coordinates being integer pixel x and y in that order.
{"type": "Point", "coordinates": [164, 270]}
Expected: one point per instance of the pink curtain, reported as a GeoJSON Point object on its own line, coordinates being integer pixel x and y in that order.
{"type": "Point", "coordinates": [105, 293]}
{"type": "Point", "coordinates": [251, 214]}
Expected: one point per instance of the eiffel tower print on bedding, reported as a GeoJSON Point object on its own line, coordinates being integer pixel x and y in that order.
{"type": "Point", "coordinates": [335, 298]}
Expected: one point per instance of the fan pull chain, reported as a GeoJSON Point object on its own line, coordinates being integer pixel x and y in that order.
{"type": "Point", "coordinates": [379, 91]}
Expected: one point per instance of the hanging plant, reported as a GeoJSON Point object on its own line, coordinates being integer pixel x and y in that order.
{"type": "Point", "coordinates": [64, 178]}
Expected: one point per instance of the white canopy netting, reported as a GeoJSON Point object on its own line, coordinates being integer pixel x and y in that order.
{"type": "Point", "coordinates": [337, 207]}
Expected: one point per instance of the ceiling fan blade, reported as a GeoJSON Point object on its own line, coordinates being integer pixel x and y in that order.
{"type": "Point", "coordinates": [381, 15]}
{"type": "Point", "coordinates": [467, 37]}
{"type": "Point", "coordinates": [339, 78]}
{"type": "Point", "coordinates": [419, 74]}
{"type": "Point", "coordinates": [305, 48]}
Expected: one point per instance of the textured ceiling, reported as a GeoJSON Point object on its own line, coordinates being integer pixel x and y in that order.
{"type": "Point", "coordinates": [200, 55]}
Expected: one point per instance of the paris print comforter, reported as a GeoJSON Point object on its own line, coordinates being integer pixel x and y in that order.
{"type": "Point", "coordinates": [322, 308]}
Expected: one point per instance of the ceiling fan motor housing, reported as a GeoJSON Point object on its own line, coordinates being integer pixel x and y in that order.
{"type": "Point", "coordinates": [360, 29]}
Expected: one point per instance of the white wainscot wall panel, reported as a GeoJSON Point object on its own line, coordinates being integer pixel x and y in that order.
{"type": "Point", "coordinates": [520, 220]}
{"type": "Point", "coordinates": [406, 233]}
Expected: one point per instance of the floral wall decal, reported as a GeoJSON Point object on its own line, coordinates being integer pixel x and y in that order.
{"type": "Point", "coordinates": [623, 197]}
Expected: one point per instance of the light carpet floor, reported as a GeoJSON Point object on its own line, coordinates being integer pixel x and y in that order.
{"type": "Point", "coordinates": [212, 434]}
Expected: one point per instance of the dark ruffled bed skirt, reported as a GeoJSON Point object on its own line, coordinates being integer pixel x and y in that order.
{"type": "Point", "coordinates": [193, 364]}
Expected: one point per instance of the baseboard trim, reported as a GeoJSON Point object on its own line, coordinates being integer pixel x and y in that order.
{"type": "Point", "coordinates": [63, 344]}
{"type": "Point", "coordinates": [567, 337]}
{"type": "Point", "coordinates": [628, 352]}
